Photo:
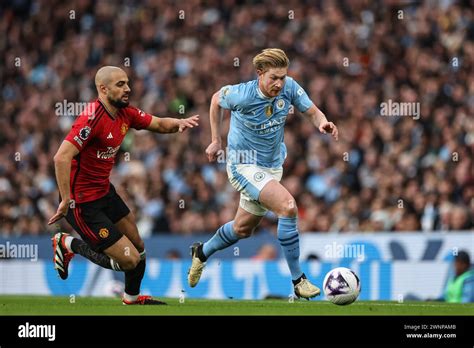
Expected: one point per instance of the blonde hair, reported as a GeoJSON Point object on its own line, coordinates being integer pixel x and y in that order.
{"type": "Point", "coordinates": [270, 58]}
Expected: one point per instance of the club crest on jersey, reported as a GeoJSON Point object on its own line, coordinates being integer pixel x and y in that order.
{"type": "Point", "coordinates": [141, 113]}
{"type": "Point", "coordinates": [280, 104]}
{"type": "Point", "coordinates": [85, 132]}
{"type": "Point", "coordinates": [269, 110]}
{"type": "Point", "coordinates": [124, 128]}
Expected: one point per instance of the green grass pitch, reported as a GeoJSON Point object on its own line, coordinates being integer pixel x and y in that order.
{"type": "Point", "coordinates": [48, 305]}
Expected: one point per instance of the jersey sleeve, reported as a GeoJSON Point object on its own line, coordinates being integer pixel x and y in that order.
{"type": "Point", "coordinates": [138, 118]}
{"type": "Point", "coordinates": [81, 133]}
{"type": "Point", "coordinates": [299, 98]}
{"type": "Point", "coordinates": [231, 96]}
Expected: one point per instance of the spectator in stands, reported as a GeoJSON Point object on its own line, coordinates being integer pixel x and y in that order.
{"type": "Point", "coordinates": [350, 58]}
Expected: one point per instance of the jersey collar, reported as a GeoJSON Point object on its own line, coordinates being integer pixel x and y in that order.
{"type": "Point", "coordinates": [107, 110]}
{"type": "Point", "coordinates": [263, 96]}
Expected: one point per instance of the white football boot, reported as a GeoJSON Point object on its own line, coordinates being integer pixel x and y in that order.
{"type": "Point", "coordinates": [197, 266]}
{"type": "Point", "coordinates": [304, 288]}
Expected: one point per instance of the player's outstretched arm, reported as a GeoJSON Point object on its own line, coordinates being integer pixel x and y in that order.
{"type": "Point", "coordinates": [172, 125]}
{"type": "Point", "coordinates": [320, 121]}
{"type": "Point", "coordinates": [215, 118]}
{"type": "Point", "coordinates": [62, 167]}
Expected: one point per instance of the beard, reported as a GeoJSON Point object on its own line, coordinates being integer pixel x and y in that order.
{"type": "Point", "coordinates": [118, 103]}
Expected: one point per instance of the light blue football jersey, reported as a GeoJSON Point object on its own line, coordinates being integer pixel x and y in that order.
{"type": "Point", "coordinates": [257, 122]}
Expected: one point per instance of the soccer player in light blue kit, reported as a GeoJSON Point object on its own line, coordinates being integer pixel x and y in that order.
{"type": "Point", "coordinates": [255, 156]}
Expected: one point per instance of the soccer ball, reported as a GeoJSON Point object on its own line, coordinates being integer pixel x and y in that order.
{"type": "Point", "coordinates": [341, 286]}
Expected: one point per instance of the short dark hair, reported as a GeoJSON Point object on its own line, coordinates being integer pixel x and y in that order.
{"type": "Point", "coordinates": [463, 257]}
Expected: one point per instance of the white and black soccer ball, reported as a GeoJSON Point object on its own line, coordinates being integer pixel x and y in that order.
{"type": "Point", "coordinates": [341, 286]}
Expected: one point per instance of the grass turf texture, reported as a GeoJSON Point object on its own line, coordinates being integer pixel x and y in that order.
{"type": "Point", "coordinates": [47, 305]}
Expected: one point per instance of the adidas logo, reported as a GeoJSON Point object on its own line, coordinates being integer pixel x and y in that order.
{"type": "Point", "coordinates": [110, 136]}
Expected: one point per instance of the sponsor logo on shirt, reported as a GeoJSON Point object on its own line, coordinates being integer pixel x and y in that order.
{"type": "Point", "coordinates": [268, 127]}
{"type": "Point", "coordinates": [110, 153]}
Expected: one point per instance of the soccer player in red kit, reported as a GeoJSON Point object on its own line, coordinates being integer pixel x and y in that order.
{"type": "Point", "coordinates": [89, 201]}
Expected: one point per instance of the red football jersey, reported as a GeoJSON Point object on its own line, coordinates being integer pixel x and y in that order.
{"type": "Point", "coordinates": [98, 136]}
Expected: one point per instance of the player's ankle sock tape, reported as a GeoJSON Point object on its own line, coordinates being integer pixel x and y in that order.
{"type": "Point", "coordinates": [75, 244]}
{"type": "Point", "coordinates": [130, 298]}
{"type": "Point", "coordinates": [200, 253]}
{"type": "Point", "coordinates": [67, 241]}
{"type": "Point", "coordinates": [223, 238]}
{"type": "Point", "coordinates": [303, 276]}
{"type": "Point", "coordinates": [290, 243]}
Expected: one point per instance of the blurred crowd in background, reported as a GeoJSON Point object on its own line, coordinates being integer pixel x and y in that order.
{"type": "Point", "coordinates": [386, 173]}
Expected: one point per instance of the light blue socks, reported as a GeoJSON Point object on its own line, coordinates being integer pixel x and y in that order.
{"type": "Point", "coordinates": [290, 244]}
{"type": "Point", "coordinates": [224, 237]}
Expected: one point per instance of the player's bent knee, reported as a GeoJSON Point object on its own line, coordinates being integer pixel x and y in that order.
{"type": "Point", "coordinates": [288, 210]}
{"type": "Point", "coordinates": [243, 231]}
{"type": "Point", "coordinates": [129, 263]}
